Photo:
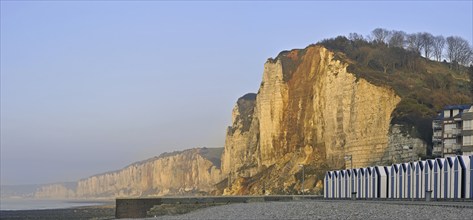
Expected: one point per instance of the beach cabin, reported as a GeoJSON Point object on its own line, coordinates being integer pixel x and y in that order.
{"type": "Point", "coordinates": [402, 174]}
{"type": "Point", "coordinates": [327, 185]}
{"type": "Point", "coordinates": [361, 181]}
{"type": "Point", "coordinates": [394, 176]}
{"type": "Point", "coordinates": [388, 181]}
{"type": "Point", "coordinates": [354, 182]}
{"type": "Point", "coordinates": [367, 191]}
{"type": "Point", "coordinates": [374, 183]}
{"type": "Point", "coordinates": [342, 184]}
{"type": "Point", "coordinates": [336, 192]}
{"type": "Point", "coordinates": [447, 178]}
{"type": "Point", "coordinates": [469, 177]}
{"type": "Point", "coordinates": [459, 172]}
{"type": "Point", "coordinates": [429, 176]}
{"type": "Point", "coordinates": [380, 182]}
{"type": "Point", "coordinates": [410, 173]}
{"type": "Point", "coordinates": [438, 178]}
{"type": "Point", "coordinates": [334, 184]}
{"type": "Point", "coordinates": [347, 183]}
{"type": "Point", "coordinates": [419, 185]}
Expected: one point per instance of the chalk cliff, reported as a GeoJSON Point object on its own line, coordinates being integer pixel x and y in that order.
{"type": "Point", "coordinates": [191, 171]}
{"type": "Point", "coordinates": [57, 190]}
{"type": "Point", "coordinates": [309, 113]}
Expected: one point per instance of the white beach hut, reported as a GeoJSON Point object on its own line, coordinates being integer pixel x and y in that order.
{"type": "Point", "coordinates": [367, 191]}
{"type": "Point", "coordinates": [459, 181]}
{"type": "Point", "coordinates": [361, 181]}
{"type": "Point", "coordinates": [374, 183]}
{"type": "Point", "coordinates": [402, 180]}
{"type": "Point", "coordinates": [347, 183]}
{"type": "Point", "coordinates": [327, 184]}
{"type": "Point", "coordinates": [342, 184]}
{"type": "Point", "coordinates": [469, 178]}
{"type": "Point", "coordinates": [410, 172]}
{"type": "Point", "coordinates": [419, 185]}
{"type": "Point", "coordinates": [337, 184]}
{"type": "Point", "coordinates": [394, 181]}
{"type": "Point", "coordinates": [429, 176]}
{"type": "Point", "coordinates": [438, 178]}
{"type": "Point", "coordinates": [380, 182]}
{"type": "Point", "coordinates": [387, 169]}
{"type": "Point", "coordinates": [447, 178]}
{"type": "Point", "coordinates": [354, 182]}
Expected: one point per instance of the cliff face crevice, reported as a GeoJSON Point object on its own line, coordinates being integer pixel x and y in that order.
{"type": "Point", "coordinates": [311, 111]}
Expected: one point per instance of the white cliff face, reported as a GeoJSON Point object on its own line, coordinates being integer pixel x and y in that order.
{"type": "Point", "coordinates": [239, 153]}
{"type": "Point", "coordinates": [54, 191]}
{"type": "Point", "coordinates": [310, 110]}
{"type": "Point", "coordinates": [188, 172]}
{"type": "Point", "coordinates": [270, 103]}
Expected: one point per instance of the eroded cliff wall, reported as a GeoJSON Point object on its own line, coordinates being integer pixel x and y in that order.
{"type": "Point", "coordinates": [57, 190]}
{"type": "Point", "coordinates": [310, 111]}
{"type": "Point", "coordinates": [191, 171]}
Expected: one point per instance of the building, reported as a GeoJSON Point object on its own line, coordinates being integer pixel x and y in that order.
{"type": "Point", "coordinates": [467, 132]}
{"type": "Point", "coordinates": [453, 131]}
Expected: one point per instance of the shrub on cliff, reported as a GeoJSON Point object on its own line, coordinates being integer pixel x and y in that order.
{"type": "Point", "coordinates": [425, 86]}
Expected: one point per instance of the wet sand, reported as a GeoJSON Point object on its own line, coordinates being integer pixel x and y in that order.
{"type": "Point", "coordinates": [86, 212]}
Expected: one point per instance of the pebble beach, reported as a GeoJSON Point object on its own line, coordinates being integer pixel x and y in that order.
{"type": "Point", "coordinates": [302, 209]}
{"type": "Point", "coordinates": [318, 209]}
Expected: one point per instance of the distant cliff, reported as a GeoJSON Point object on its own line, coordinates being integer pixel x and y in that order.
{"type": "Point", "coordinates": [193, 171]}
{"type": "Point", "coordinates": [310, 111]}
{"type": "Point", "coordinates": [56, 190]}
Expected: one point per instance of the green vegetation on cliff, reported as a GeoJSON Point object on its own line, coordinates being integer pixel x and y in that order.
{"type": "Point", "coordinates": [425, 86]}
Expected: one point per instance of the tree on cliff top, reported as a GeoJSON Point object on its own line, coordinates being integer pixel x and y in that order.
{"type": "Point", "coordinates": [425, 86]}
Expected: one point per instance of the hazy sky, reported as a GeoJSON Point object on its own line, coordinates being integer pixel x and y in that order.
{"type": "Point", "coordinates": [88, 87]}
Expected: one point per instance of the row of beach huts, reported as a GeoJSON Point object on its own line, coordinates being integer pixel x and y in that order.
{"type": "Point", "coordinates": [441, 178]}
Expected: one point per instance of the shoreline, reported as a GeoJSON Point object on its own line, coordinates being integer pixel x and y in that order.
{"type": "Point", "coordinates": [306, 209]}
{"type": "Point", "coordinates": [103, 211]}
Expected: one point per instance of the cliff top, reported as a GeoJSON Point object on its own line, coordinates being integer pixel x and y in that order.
{"type": "Point", "coordinates": [424, 85]}
{"type": "Point", "coordinates": [211, 154]}
{"type": "Point", "coordinates": [248, 96]}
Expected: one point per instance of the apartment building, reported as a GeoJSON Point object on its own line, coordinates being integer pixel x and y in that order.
{"type": "Point", "coordinates": [453, 131]}
{"type": "Point", "coordinates": [467, 132]}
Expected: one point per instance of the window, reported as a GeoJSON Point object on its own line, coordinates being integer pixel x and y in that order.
{"type": "Point", "coordinates": [446, 113]}
{"type": "Point", "coordinates": [449, 142]}
{"type": "Point", "coordinates": [467, 140]}
{"type": "Point", "coordinates": [468, 125]}
{"type": "Point", "coordinates": [449, 127]}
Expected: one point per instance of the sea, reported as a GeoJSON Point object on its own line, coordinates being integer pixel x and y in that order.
{"type": "Point", "coordinates": [38, 204]}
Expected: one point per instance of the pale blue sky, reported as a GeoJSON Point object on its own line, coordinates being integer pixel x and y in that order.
{"type": "Point", "coordinates": [88, 87]}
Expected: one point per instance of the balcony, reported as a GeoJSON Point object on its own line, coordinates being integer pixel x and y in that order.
{"type": "Point", "coordinates": [456, 147]}
{"type": "Point", "coordinates": [457, 131]}
{"type": "Point", "coordinates": [454, 132]}
{"type": "Point", "coordinates": [437, 150]}
{"type": "Point", "coordinates": [437, 125]}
